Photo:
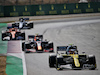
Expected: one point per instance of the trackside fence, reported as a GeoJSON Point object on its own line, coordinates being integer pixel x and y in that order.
{"type": "Point", "coordinates": [49, 9]}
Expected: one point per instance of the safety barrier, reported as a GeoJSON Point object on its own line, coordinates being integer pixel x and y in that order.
{"type": "Point", "coordinates": [1, 11]}
{"type": "Point", "coordinates": [49, 9]}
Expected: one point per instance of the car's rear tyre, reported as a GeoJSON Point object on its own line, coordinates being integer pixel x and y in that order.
{"type": "Point", "coordinates": [52, 61]}
{"type": "Point", "coordinates": [23, 35]}
{"type": "Point", "coordinates": [51, 46]}
{"type": "Point", "coordinates": [23, 46]}
{"type": "Point", "coordinates": [92, 61]}
{"type": "Point", "coordinates": [3, 35]}
{"type": "Point", "coordinates": [31, 25]}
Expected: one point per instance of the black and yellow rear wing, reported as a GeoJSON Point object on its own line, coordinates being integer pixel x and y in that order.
{"type": "Point", "coordinates": [61, 48]}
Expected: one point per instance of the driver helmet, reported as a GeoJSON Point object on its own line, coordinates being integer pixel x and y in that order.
{"type": "Point", "coordinates": [21, 19]}
{"type": "Point", "coordinates": [36, 34]}
{"type": "Point", "coordinates": [37, 39]}
{"type": "Point", "coordinates": [45, 39]}
{"type": "Point", "coordinates": [72, 51]}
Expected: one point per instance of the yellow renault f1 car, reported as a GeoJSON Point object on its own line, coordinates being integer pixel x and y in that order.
{"type": "Point", "coordinates": [68, 55]}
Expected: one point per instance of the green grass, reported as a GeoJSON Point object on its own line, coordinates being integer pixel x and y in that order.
{"type": "Point", "coordinates": [14, 66]}
{"type": "Point", "coordinates": [3, 44]}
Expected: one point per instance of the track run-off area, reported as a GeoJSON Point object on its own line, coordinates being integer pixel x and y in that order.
{"type": "Point", "coordinates": [84, 32]}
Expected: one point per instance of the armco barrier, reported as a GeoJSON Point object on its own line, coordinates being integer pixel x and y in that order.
{"type": "Point", "coordinates": [49, 9]}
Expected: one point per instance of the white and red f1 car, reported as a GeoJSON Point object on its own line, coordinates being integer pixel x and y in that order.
{"type": "Point", "coordinates": [36, 44]}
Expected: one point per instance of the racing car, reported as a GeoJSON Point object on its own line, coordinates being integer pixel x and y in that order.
{"type": "Point", "coordinates": [22, 24]}
{"type": "Point", "coordinates": [13, 34]}
{"type": "Point", "coordinates": [36, 44]}
{"type": "Point", "coordinates": [68, 56]}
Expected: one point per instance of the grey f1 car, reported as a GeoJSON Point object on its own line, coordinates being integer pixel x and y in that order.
{"type": "Point", "coordinates": [13, 34]}
{"type": "Point", "coordinates": [36, 44]}
{"type": "Point", "coordinates": [23, 24]}
{"type": "Point", "coordinates": [68, 55]}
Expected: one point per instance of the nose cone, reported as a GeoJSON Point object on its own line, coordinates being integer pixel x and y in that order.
{"type": "Point", "coordinates": [76, 62]}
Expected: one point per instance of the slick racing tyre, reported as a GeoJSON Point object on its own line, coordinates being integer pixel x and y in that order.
{"type": "Point", "coordinates": [23, 35]}
{"type": "Point", "coordinates": [52, 61]}
{"type": "Point", "coordinates": [23, 46]}
{"type": "Point", "coordinates": [3, 35]}
{"type": "Point", "coordinates": [51, 46]}
{"type": "Point", "coordinates": [31, 25]}
{"type": "Point", "coordinates": [92, 61]}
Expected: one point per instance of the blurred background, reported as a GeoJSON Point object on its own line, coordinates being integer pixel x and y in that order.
{"type": "Point", "coordinates": [9, 8]}
{"type": "Point", "coordinates": [34, 2]}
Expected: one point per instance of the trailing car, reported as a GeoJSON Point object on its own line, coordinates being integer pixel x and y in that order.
{"type": "Point", "coordinates": [22, 24]}
{"type": "Point", "coordinates": [13, 34]}
{"type": "Point", "coordinates": [36, 44]}
{"type": "Point", "coordinates": [68, 55]}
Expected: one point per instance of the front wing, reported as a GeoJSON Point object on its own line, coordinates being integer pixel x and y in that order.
{"type": "Point", "coordinates": [6, 37]}
{"type": "Point", "coordinates": [33, 50]}
{"type": "Point", "coordinates": [16, 25]}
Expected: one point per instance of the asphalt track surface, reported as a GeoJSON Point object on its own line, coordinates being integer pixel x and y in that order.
{"type": "Point", "coordinates": [83, 32]}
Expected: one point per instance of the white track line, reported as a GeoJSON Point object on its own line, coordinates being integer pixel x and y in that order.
{"type": "Point", "coordinates": [23, 60]}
